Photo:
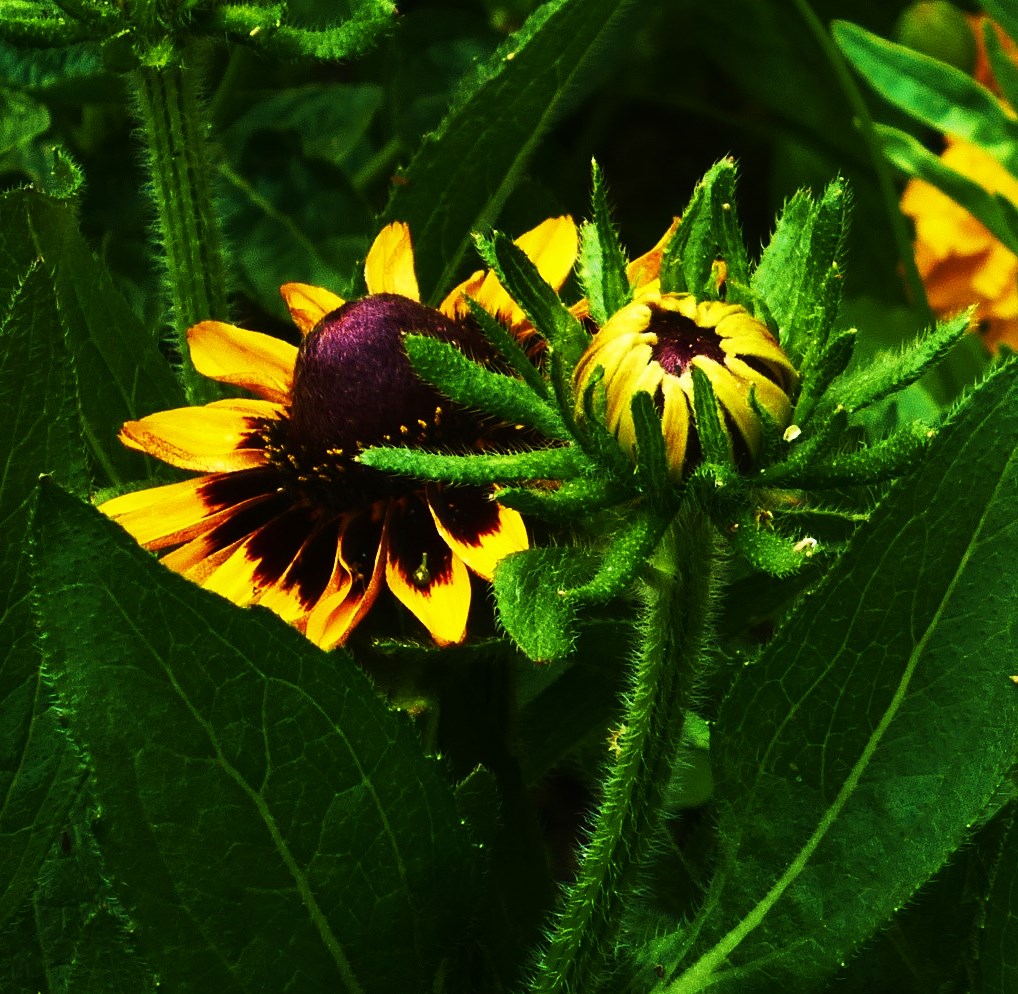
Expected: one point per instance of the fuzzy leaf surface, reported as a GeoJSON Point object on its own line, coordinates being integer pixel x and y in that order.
{"type": "Point", "coordinates": [270, 824]}
{"type": "Point", "coordinates": [121, 374]}
{"type": "Point", "coordinates": [39, 773]}
{"type": "Point", "coordinates": [459, 179]}
{"type": "Point", "coordinates": [875, 728]}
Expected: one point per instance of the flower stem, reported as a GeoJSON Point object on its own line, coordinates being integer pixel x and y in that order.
{"type": "Point", "coordinates": [678, 587]}
{"type": "Point", "coordinates": [177, 153]}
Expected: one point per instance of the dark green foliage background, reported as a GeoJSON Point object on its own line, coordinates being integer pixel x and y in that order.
{"type": "Point", "coordinates": [157, 744]}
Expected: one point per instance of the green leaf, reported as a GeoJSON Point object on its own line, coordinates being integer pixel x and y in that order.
{"type": "Point", "coordinates": [530, 590]}
{"type": "Point", "coordinates": [996, 938]}
{"type": "Point", "coordinates": [262, 807]}
{"type": "Point", "coordinates": [846, 773]}
{"type": "Point", "coordinates": [287, 205]}
{"type": "Point", "coordinates": [462, 174]}
{"type": "Point", "coordinates": [1004, 14]}
{"type": "Point", "coordinates": [932, 92]}
{"type": "Point", "coordinates": [1003, 70]}
{"type": "Point", "coordinates": [39, 772]}
{"type": "Point", "coordinates": [602, 260]}
{"type": "Point", "coordinates": [889, 372]}
{"type": "Point", "coordinates": [798, 277]}
{"type": "Point", "coordinates": [121, 375]}
{"type": "Point", "coordinates": [22, 119]}
{"type": "Point", "coordinates": [995, 211]}
{"type": "Point", "coordinates": [467, 382]}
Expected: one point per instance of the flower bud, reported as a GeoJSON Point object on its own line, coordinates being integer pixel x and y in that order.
{"type": "Point", "coordinates": [653, 344]}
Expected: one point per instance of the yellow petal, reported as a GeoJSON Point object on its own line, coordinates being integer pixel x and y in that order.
{"type": "Point", "coordinates": [218, 438]}
{"type": "Point", "coordinates": [675, 424]}
{"type": "Point", "coordinates": [551, 247]}
{"type": "Point", "coordinates": [309, 304]}
{"type": "Point", "coordinates": [389, 267]}
{"type": "Point", "coordinates": [248, 359]}
{"type": "Point", "coordinates": [478, 530]}
{"type": "Point", "coordinates": [177, 512]}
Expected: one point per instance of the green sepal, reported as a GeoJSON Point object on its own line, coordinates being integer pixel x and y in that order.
{"type": "Point", "coordinates": [565, 503]}
{"type": "Point", "coordinates": [798, 277]}
{"type": "Point", "coordinates": [602, 260]}
{"type": "Point", "coordinates": [468, 383]}
{"type": "Point", "coordinates": [477, 470]}
{"type": "Point", "coordinates": [507, 346]}
{"type": "Point", "coordinates": [651, 450]}
{"type": "Point", "coordinates": [715, 442]}
{"type": "Point", "coordinates": [932, 92]}
{"type": "Point", "coordinates": [773, 440]}
{"type": "Point", "coordinates": [876, 463]}
{"type": "Point", "coordinates": [538, 299]}
{"type": "Point", "coordinates": [768, 550]}
{"type": "Point", "coordinates": [529, 592]}
{"type": "Point", "coordinates": [913, 158]}
{"type": "Point", "coordinates": [889, 372]}
{"type": "Point", "coordinates": [593, 434]}
{"type": "Point", "coordinates": [709, 231]}
{"type": "Point", "coordinates": [823, 434]}
{"type": "Point", "coordinates": [823, 369]}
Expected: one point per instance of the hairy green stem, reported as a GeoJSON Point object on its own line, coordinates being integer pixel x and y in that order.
{"type": "Point", "coordinates": [678, 587]}
{"type": "Point", "coordinates": [177, 155]}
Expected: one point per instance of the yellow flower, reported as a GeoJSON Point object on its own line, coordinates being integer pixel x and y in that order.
{"type": "Point", "coordinates": [284, 515]}
{"type": "Point", "coordinates": [959, 261]}
{"type": "Point", "coordinates": [653, 344]}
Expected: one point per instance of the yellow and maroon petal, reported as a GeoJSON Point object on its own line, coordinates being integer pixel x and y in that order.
{"type": "Point", "coordinates": [389, 267]}
{"type": "Point", "coordinates": [476, 528]}
{"type": "Point", "coordinates": [308, 304]}
{"type": "Point", "coordinates": [227, 529]}
{"type": "Point", "coordinates": [424, 574]}
{"type": "Point", "coordinates": [355, 583]}
{"type": "Point", "coordinates": [248, 359]}
{"type": "Point", "coordinates": [221, 437]}
{"type": "Point", "coordinates": [178, 512]}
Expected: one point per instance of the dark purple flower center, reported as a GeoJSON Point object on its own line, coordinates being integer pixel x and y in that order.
{"type": "Point", "coordinates": [353, 385]}
{"type": "Point", "coordinates": [680, 340]}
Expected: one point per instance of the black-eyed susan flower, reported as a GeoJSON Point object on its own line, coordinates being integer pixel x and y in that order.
{"type": "Point", "coordinates": [653, 344]}
{"type": "Point", "coordinates": [284, 515]}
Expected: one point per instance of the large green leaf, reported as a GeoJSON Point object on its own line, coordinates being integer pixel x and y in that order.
{"type": "Point", "coordinates": [121, 373]}
{"type": "Point", "coordinates": [38, 770]}
{"type": "Point", "coordinates": [461, 176]}
{"type": "Point", "coordinates": [854, 756]}
{"type": "Point", "coordinates": [996, 938]}
{"type": "Point", "coordinates": [271, 824]}
{"type": "Point", "coordinates": [937, 94]}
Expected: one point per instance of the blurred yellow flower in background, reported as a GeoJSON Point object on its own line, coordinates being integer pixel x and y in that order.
{"type": "Point", "coordinates": [959, 261]}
